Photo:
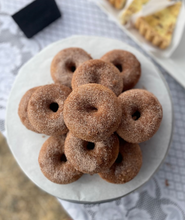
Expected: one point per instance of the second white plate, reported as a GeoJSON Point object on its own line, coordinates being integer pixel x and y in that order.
{"type": "Point", "coordinates": [174, 65]}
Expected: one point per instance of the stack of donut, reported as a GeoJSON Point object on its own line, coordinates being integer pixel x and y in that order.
{"type": "Point", "coordinates": [94, 117]}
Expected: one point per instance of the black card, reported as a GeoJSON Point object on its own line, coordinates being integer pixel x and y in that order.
{"type": "Point", "coordinates": [36, 16]}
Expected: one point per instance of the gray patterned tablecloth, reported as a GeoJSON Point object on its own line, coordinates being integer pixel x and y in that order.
{"type": "Point", "coordinates": [163, 197]}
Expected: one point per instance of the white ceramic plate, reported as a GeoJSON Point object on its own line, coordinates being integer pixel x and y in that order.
{"type": "Point", "coordinates": [25, 144]}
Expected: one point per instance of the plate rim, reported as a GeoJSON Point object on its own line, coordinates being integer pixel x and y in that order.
{"type": "Point", "coordinates": [171, 134]}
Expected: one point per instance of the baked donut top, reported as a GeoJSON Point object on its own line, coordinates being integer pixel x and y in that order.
{"type": "Point", "coordinates": [91, 157]}
{"type": "Point", "coordinates": [66, 62]}
{"type": "Point", "coordinates": [45, 109]}
{"type": "Point", "coordinates": [53, 162]}
{"type": "Point", "coordinates": [100, 72]}
{"type": "Point", "coordinates": [141, 115]}
{"type": "Point", "coordinates": [92, 112]}
{"type": "Point", "coordinates": [127, 164]}
{"type": "Point", "coordinates": [128, 65]}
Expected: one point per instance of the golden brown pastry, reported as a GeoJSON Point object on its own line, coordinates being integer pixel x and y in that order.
{"type": "Point", "coordinates": [134, 7]}
{"type": "Point", "coordinates": [128, 65]}
{"type": "Point", "coordinates": [89, 157]}
{"type": "Point", "coordinates": [65, 63]}
{"type": "Point", "coordinates": [118, 4]}
{"type": "Point", "coordinates": [126, 166]}
{"type": "Point", "coordinates": [141, 115]}
{"type": "Point", "coordinates": [45, 109]}
{"type": "Point", "coordinates": [23, 108]}
{"type": "Point", "coordinates": [158, 28]}
{"type": "Point", "coordinates": [53, 162]}
{"type": "Point", "coordinates": [100, 72]}
{"type": "Point", "coordinates": [92, 112]}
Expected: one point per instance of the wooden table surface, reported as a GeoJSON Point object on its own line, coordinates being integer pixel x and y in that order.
{"type": "Point", "coordinates": [20, 199]}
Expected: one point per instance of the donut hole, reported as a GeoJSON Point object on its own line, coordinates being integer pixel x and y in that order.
{"type": "Point", "coordinates": [54, 106]}
{"type": "Point", "coordinates": [71, 67]}
{"type": "Point", "coordinates": [119, 158]}
{"type": "Point", "coordinates": [119, 67]}
{"type": "Point", "coordinates": [94, 78]}
{"type": "Point", "coordinates": [63, 158]}
{"type": "Point", "coordinates": [90, 146]}
{"type": "Point", "coordinates": [87, 107]}
{"type": "Point", "coordinates": [136, 115]}
{"type": "Point", "coordinates": [91, 109]}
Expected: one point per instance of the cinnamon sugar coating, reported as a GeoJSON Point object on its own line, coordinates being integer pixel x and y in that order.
{"type": "Point", "coordinates": [141, 115]}
{"type": "Point", "coordinates": [23, 107]}
{"type": "Point", "coordinates": [100, 72]}
{"type": "Point", "coordinates": [53, 163]}
{"type": "Point", "coordinates": [92, 112]}
{"type": "Point", "coordinates": [65, 63]}
{"type": "Point", "coordinates": [91, 157]}
{"type": "Point", "coordinates": [45, 109]}
{"type": "Point", "coordinates": [127, 63]}
{"type": "Point", "coordinates": [127, 165]}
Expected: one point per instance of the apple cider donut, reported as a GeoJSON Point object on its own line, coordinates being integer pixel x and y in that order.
{"type": "Point", "coordinates": [100, 72]}
{"type": "Point", "coordinates": [53, 162]}
{"type": "Point", "coordinates": [65, 63]}
{"type": "Point", "coordinates": [23, 107]}
{"type": "Point", "coordinates": [141, 115]}
{"type": "Point", "coordinates": [92, 112]}
{"type": "Point", "coordinates": [89, 157]}
{"type": "Point", "coordinates": [128, 65]}
{"type": "Point", "coordinates": [126, 166]}
{"type": "Point", "coordinates": [45, 109]}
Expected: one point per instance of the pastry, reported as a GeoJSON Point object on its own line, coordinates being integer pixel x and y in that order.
{"type": "Point", "coordinates": [92, 112]}
{"type": "Point", "coordinates": [158, 28]}
{"type": "Point", "coordinates": [141, 115]}
{"type": "Point", "coordinates": [118, 4]}
{"type": "Point", "coordinates": [100, 72]}
{"type": "Point", "coordinates": [133, 8]}
{"type": "Point", "coordinates": [128, 65]}
{"type": "Point", "coordinates": [89, 157]}
{"type": "Point", "coordinates": [65, 63]}
{"type": "Point", "coordinates": [126, 166]}
{"type": "Point", "coordinates": [45, 109]}
{"type": "Point", "coordinates": [53, 162]}
{"type": "Point", "coordinates": [23, 108]}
